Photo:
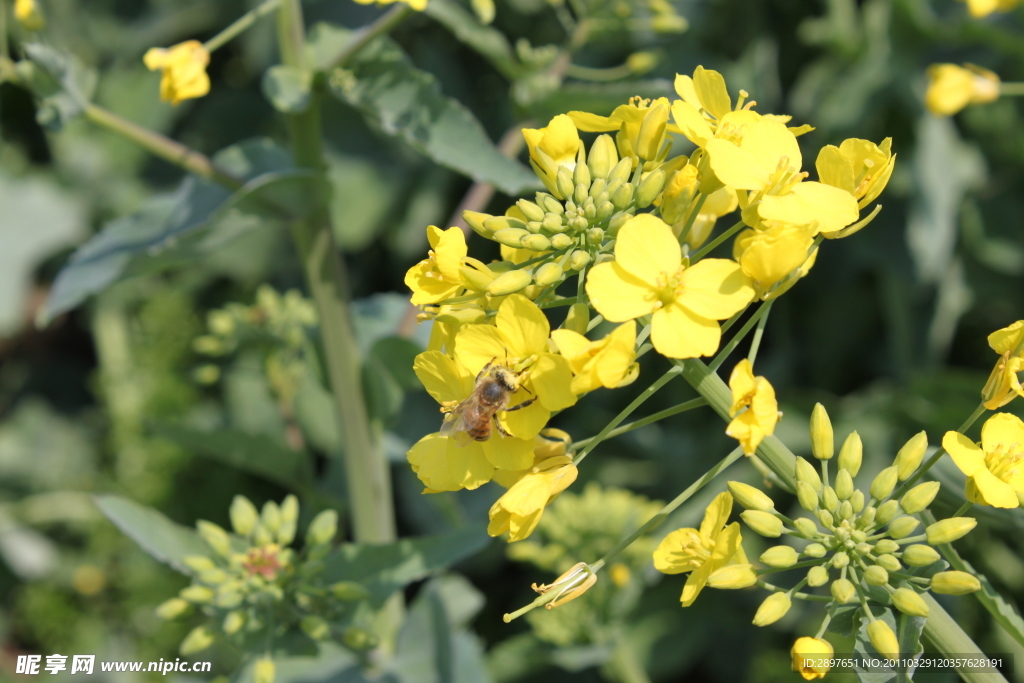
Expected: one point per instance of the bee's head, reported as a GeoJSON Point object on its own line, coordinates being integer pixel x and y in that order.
{"type": "Point", "coordinates": [509, 379]}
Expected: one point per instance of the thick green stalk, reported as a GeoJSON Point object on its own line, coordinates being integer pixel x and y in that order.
{"type": "Point", "coordinates": [947, 637]}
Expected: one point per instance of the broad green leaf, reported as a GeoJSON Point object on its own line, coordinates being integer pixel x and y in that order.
{"type": "Point", "coordinates": [165, 540]}
{"type": "Point", "coordinates": [908, 632]}
{"type": "Point", "coordinates": [489, 42]}
{"type": "Point", "coordinates": [289, 89]}
{"type": "Point", "coordinates": [175, 230]}
{"type": "Point", "coordinates": [255, 454]}
{"type": "Point", "coordinates": [60, 81]}
{"type": "Point", "coordinates": [383, 569]}
{"type": "Point", "coordinates": [403, 101]}
{"type": "Point", "coordinates": [362, 196]}
{"type": "Point", "coordinates": [387, 375]}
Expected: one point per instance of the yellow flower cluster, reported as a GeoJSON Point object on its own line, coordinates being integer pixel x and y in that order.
{"type": "Point", "coordinates": [952, 87]}
{"type": "Point", "coordinates": [626, 226]}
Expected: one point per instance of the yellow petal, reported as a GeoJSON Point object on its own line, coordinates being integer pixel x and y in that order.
{"type": "Point", "coordinates": [679, 333]}
{"type": "Point", "coordinates": [520, 527]}
{"type": "Point", "coordinates": [523, 325]}
{"type": "Point", "coordinates": [592, 123]}
{"type": "Point", "coordinates": [833, 209]}
{"type": "Point", "coordinates": [741, 382]}
{"type": "Point", "coordinates": [834, 168]}
{"type": "Point", "coordinates": [449, 252]}
{"type": "Point", "coordinates": [618, 295]}
{"type": "Point", "coordinates": [478, 345]}
{"type": "Point", "coordinates": [965, 453]}
{"type": "Point", "coordinates": [646, 248]}
{"type": "Point", "coordinates": [994, 491]}
{"type": "Point", "coordinates": [715, 288]}
{"type": "Point", "coordinates": [716, 515]}
{"type": "Point", "coordinates": [695, 583]}
{"type": "Point", "coordinates": [573, 346]}
{"type": "Point", "coordinates": [550, 377]}
{"type": "Point", "coordinates": [426, 287]}
{"type": "Point", "coordinates": [1006, 339]}
{"type": "Point", "coordinates": [691, 123]}
{"type": "Point", "coordinates": [442, 465]}
{"type": "Point", "coordinates": [441, 377]}
{"type": "Point", "coordinates": [737, 168]}
{"type": "Point", "coordinates": [684, 88]}
{"type": "Point", "coordinates": [711, 90]}
{"type": "Point", "coordinates": [528, 495]}
{"type": "Point", "coordinates": [155, 58]}
{"type": "Point", "coordinates": [1002, 429]}
{"type": "Point", "coordinates": [668, 559]}
{"type": "Point", "coordinates": [772, 144]}
{"type": "Point", "coordinates": [508, 453]}
{"type": "Point", "coordinates": [527, 422]}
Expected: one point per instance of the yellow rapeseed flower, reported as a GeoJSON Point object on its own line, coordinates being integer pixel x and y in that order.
{"type": "Point", "coordinates": [29, 15]}
{"type": "Point", "coordinates": [701, 551]}
{"type": "Point", "coordinates": [184, 70]}
{"type": "Point", "coordinates": [437, 277]}
{"type": "Point", "coordinates": [519, 338]}
{"type": "Point", "coordinates": [641, 126]}
{"type": "Point", "coordinates": [755, 397]}
{"type": "Point", "coordinates": [441, 463]}
{"type": "Point", "coordinates": [1003, 384]}
{"type": "Point", "coordinates": [519, 510]}
{"type": "Point", "coordinates": [555, 145]}
{"type": "Point", "coordinates": [952, 87]}
{"type": "Point", "coordinates": [995, 475]}
{"type": "Point", "coordinates": [418, 5]}
{"type": "Point", "coordinates": [769, 256]}
{"type": "Point", "coordinates": [649, 276]}
{"type": "Point", "coordinates": [608, 362]}
{"type": "Point", "coordinates": [860, 167]}
{"type": "Point", "coordinates": [548, 444]}
{"type": "Point", "coordinates": [983, 8]}
{"type": "Point", "coordinates": [807, 653]}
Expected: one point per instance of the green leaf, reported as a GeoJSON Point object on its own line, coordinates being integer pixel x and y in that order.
{"type": "Point", "coordinates": [403, 101]}
{"type": "Point", "coordinates": [908, 632]}
{"type": "Point", "coordinates": [255, 454]}
{"type": "Point", "coordinates": [199, 218]}
{"type": "Point", "coordinates": [489, 42]}
{"type": "Point", "coordinates": [384, 569]}
{"type": "Point", "coordinates": [61, 83]}
{"type": "Point", "coordinates": [288, 88]}
{"type": "Point", "coordinates": [388, 374]}
{"type": "Point", "coordinates": [165, 540]}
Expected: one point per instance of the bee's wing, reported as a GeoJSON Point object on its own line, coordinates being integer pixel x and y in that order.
{"type": "Point", "coordinates": [454, 425]}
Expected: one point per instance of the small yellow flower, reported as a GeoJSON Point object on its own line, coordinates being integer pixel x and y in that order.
{"type": "Point", "coordinates": [757, 396]}
{"type": "Point", "coordinates": [807, 654]}
{"type": "Point", "coordinates": [1003, 384]}
{"type": "Point", "coordinates": [557, 144]}
{"type": "Point", "coordinates": [771, 255]}
{"type": "Point", "coordinates": [418, 5]}
{"type": "Point", "coordinates": [952, 87]}
{"type": "Point", "coordinates": [701, 551]}
{"type": "Point", "coordinates": [994, 471]}
{"type": "Point", "coordinates": [608, 362]}
{"type": "Point", "coordinates": [860, 167]}
{"type": "Point", "coordinates": [983, 8]}
{"type": "Point", "coordinates": [641, 125]}
{"type": "Point", "coordinates": [520, 509]}
{"type": "Point", "coordinates": [569, 586]}
{"type": "Point", "coordinates": [29, 15]}
{"type": "Point", "coordinates": [184, 70]}
{"type": "Point", "coordinates": [648, 276]}
{"type": "Point", "coordinates": [437, 277]}
{"type": "Point", "coordinates": [519, 338]}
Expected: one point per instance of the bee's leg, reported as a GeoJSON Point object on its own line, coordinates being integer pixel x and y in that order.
{"type": "Point", "coordinates": [484, 369]}
{"type": "Point", "coordinates": [525, 403]}
{"type": "Point", "coordinates": [497, 425]}
{"type": "Point", "coordinates": [448, 406]}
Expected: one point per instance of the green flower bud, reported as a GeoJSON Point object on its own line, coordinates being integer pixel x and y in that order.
{"type": "Point", "coordinates": [911, 455]}
{"type": "Point", "coordinates": [955, 583]}
{"type": "Point", "coordinates": [772, 609]}
{"type": "Point", "coordinates": [876, 576]}
{"type": "Point", "coordinates": [581, 176]}
{"type": "Point", "coordinates": [815, 550]}
{"type": "Point", "coordinates": [867, 517]}
{"type": "Point", "coordinates": [652, 132]}
{"type": "Point", "coordinates": [530, 210]}
{"type": "Point", "coordinates": [733, 576]}
{"type": "Point", "coordinates": [581, 192]}
{"type": "Point", "coordinates": [806, 527]}
{"type": "Point", "coordinates": [780, 557]}
{"type": "Point", "coordinates": [858, 536]}
{"type": "Point", "coordinates": [199, 563]}
{"type": "Point", "coordinates": [886, 511]}
{"type": "Point", "coordinates": [909, 602]}
{"type": "Point", "coordinates": [534, 226]}
{"type": "Point", "coordinates": [595, 236]}
{"type": "Point", "coordinates": [172, 609]}
{"type": "Point", "coordinates": [902, 527]}
{"type": "Point", "coordinates": [349, 591]}
{"type": "Point", "coordinates": [840, 560]}
{"type": "Point", "coordinates": [579, 260]}
{"type": "Point", "coordinates": [475, 220]}
{"type": "Point", "coordinates": [597, 188]}
{"type": "Point", "coordinates": [617, 221]}
{"type": "Point", "coordinates": [764, 523]}
{"type": "Point", "coordinates": [887, 545]}
{"type": "Point", "coordinates": [843, 591]}
{"type": "Point", "coordinates": [563, 182]}
{"type": "Point", "coordinates": [883, 639]}
{"type": "Point", "coordinates": [807, 473]}
{"type": "Point", "coordinates": [536, 243]}
{"type": "Point", "coordinates": [196, 594]}
{"type": "Point", "coordinates": [264, 671]}
{"type": "Point", "coordinates": [949, 530]}
{"type": "Point", "coordinates": [919, 497]}
{"type": "Point", "coordinates": [863, 548]}
{"type": "Point", "coordinates": [271, 517]}
{"type": "Point", "coordinates": [510, 282]}
{"type": "Point", "coordinates": [650, 188]}
{"type": "Point", "coordinates": [578, 318]}
{"type": "Point", "coordinates": [888, 563]}
{"type": "Point", "coordinates": [243, 515]}
{"type": "Point", "coordinates": [213, 577]}
{"type": "Point", "coordinates": [579, 224]}
{"type": "Point", "coordinates": [604, 210]}
{"type": "Point", "coordinates": [844, 485]}
{"type": "Point", "coordinates": [552, 222]}
{"type": "Point", "coordinates": [323, 528]}
{"type": "Point", "coordinates": [845, 510]}
{"type": "Point", "coordinates": [233, 622]}
{"type": "Point", "coordinates": [829, 499]}
{"type": "Point", "coordinates": [215, 537]}
{"type": "Point", "coordinates": [360, 639]}
{"type": "Point", "coordinates": [548, 274]}
{"type": "Point", "coordinates": [315, 627]}
{"type": "Point", "coordinates": [817, 576]}
{"type": "Point", "coordinates": [750, 497]}
{"type": "Point", "coordinates": [286, 532]}
{"type": "Point", "coordinates": [290, 509]}
{"type": "Point", "coordinates": [807, 496]}
{"type": "Point", "coordinates": [511, 237]}
{"type": "Point", "coordinates": [851, 454]}
{"type": "Point", "coordinates": [822, 441]}
{"type": "Point", "coordinates": [561, 241]}
{"type": "Point", "coordinates": [197, 640]}
{"type": "Point", "coordinates": [857, 500]}
{"type": "Point", "coordinates": [825, 517]}
{"type": "Point", "coordinates": [623, 196]}
{"type": "Point", "coordinates": [884, 483]}
{"type": "Point", "coordinates": [603, 156]}
{"type": "Point", "coordinates": [920, 555]}
{"type": "Point", "coordinates": [228, 597]}
{"type": "Point", "coordinates": [620, 172]}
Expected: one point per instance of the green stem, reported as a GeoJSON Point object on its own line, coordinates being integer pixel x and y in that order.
{"type": "Point", "coordinates": [586, 73]}
{"type": "Point", "coordinates": [637, 402]}
{"type": "Point", "coordinates": [802, 596]}
{"type": "Point", "coordinates": [657, 519]}
{"type": "Point", "coordinates": [644, 421]}
{"type": "Point", "coordinates": [739, 337]}
{"type": "Point", "coordinates": [963, 509]}
{"type": "Point", "coordinates": [361, 38]}
{"type": "Point", "coordinates": [798, 565]}
{"type": "Point", "coordinates": [241, 24]}
{"type": "Point", "coordinates": [5, 48]}
{"type": "Point", "coordinates": [1011, 89]}
{"type": "Point", "coordinates": [692, 217]}
{"type": "Point", "coordinates": [947, 637]}
{"type": "Point", "coordinates": [755, 345]}
{"type": "Point", "coordinates": [978, 412]}
{"type": "Point", "coordinates": [708, 248]}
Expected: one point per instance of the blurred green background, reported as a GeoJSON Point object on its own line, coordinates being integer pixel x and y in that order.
{"type": "Point", "coordinates": [888, 331]}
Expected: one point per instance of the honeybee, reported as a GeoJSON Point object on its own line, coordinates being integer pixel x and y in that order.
{"type": "Point", "coordinates": [472, 418]}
